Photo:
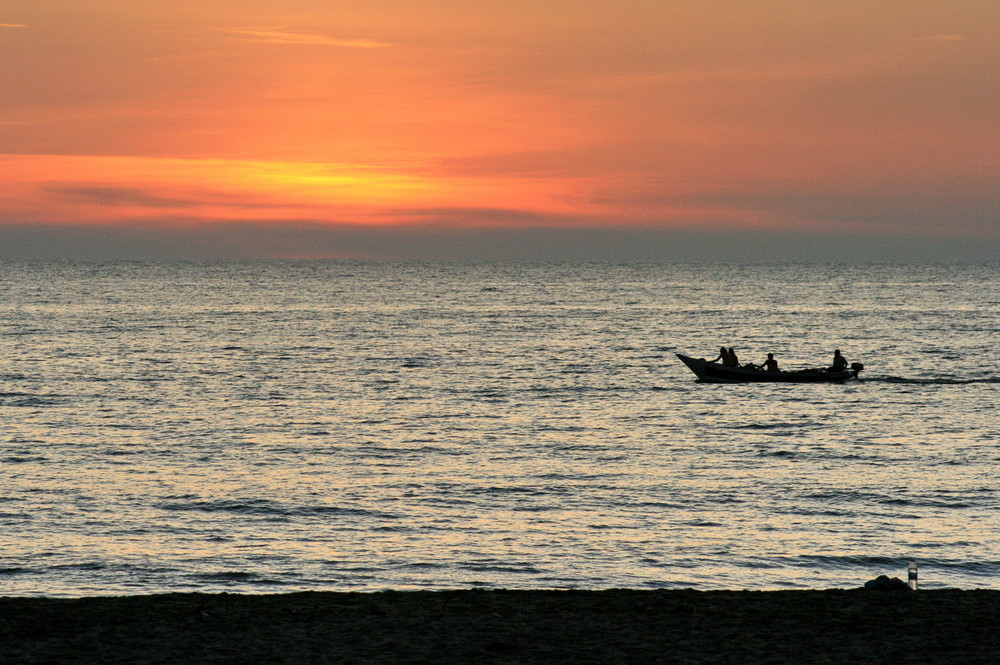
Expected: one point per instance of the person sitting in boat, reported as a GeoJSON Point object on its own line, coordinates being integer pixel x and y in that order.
{"type": "Point", "coordinates": [771, 365]}
{"type": "Point", "coordinates": [723, 356]}
{"type": "Point", "coordinates": [733, 360]}
{"type": "Point", "coordinates": [839, 362]}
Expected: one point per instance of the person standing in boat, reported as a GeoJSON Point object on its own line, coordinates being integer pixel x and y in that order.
{"type": "Point", "coordinates": [723, 356]}
{"type": "Point", "coordinates": [839, 362]}
{"type": "Point", "coordinates": [771, 365]}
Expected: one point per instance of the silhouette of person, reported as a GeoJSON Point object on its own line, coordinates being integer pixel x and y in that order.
{"type": "Point", "coordinates": [733, 360]}
{"type": "Point", "coordinates": [723, 356]}
{"type": "Point", "coordinates": [771, 365]}
{"type": "Point", "coordinates": [839, 362]}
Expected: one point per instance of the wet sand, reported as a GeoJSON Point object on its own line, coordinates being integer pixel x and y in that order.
{"type": "Point", "coordinates": [509, 627]}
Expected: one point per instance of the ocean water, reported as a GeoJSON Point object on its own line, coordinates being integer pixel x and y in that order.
{"type": "Point", "coordinates": [281, 426]}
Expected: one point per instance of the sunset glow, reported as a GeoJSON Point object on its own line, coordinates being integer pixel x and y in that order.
{"type": "Point", "coordinates": [859, 119]}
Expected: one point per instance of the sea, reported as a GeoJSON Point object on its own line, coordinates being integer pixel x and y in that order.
{"type": "Point", "coordinates": [279, 426]}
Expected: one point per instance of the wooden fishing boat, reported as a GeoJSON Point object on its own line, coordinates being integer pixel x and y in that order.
{"type": "Point", "coordinates": [718, 373]}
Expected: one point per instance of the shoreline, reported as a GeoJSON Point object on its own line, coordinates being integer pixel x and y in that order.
{"type": "Point", "coordinates": [856, 626]}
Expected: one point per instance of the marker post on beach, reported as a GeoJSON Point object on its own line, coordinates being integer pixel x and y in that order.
{"type": "Point", "coordinates": [912, 575]}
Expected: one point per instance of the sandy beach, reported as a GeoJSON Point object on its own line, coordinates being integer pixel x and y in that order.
{"type": "Point", "coordinates": [470, 626]}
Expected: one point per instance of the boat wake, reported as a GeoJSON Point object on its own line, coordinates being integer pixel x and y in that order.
{"type": "Point", "coordinates": [943, 381]}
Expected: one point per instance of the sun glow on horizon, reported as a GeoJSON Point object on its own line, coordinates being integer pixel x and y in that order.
{"type": "Point", "coordinates": [86, 189]}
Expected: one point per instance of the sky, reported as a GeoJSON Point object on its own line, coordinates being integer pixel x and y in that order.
{"type": "Point", "coordinates": [617, 130]}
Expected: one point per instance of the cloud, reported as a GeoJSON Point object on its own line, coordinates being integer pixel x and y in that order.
{"type": "Point", "coordinates": [12, 25]}
{"type": "Point", "coordinates": [948, 38]}
{"type": "Point", "coordinates": [181, 239]}
{"type": "Point", "coordinates": [151, 201]}
{"type": "Point", "coordinates": [481, 218]}
{"type": "Point", "coordinates": [117, 196]}
{"type": "Point", "coordinates": [300, 39]}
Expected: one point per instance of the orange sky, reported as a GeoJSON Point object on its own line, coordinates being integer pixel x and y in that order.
{"type": "Point", "coordinates": [855, 118]}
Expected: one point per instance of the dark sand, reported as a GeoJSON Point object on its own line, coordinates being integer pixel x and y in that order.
{"type": "Point", "coordinates": [566, 627]}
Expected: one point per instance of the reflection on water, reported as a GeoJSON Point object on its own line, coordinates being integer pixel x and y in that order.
{"type": "Point", "coordinates": [339, 425]}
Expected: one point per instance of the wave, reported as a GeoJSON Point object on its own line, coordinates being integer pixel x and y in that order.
{"type": "Point", "coordinates": [983, 567]}
{"type": "Point", "coordinates": [270, 508]}
{"type": "Point", "coordinates": [15, 570]}
{"type": "Point", "coordinates": [871, 498]}
{"type": "Point", "coordinates": [765, 426]}
{"type": "Point", "coordinates": [23, 459]}
{"type": "Point", "coordinates": [525, 568]}
{"type": "Point", "coordinates": [225, 576]}
{"type": "Point", "coordinates": [24, 400]}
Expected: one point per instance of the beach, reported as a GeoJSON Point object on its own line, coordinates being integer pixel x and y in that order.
{"type": "Point", "coordinates": [499, 626]}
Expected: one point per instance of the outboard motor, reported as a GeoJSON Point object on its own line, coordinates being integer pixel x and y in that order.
{"type": "Point", "coordinates": [856, 367]}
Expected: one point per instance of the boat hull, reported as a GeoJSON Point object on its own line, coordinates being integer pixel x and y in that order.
{"type": "Point", "coordinates": [710, 372]}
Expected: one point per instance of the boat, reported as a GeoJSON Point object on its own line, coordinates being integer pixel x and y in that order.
{"type": "Point", "coordinates": [712, 372]}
